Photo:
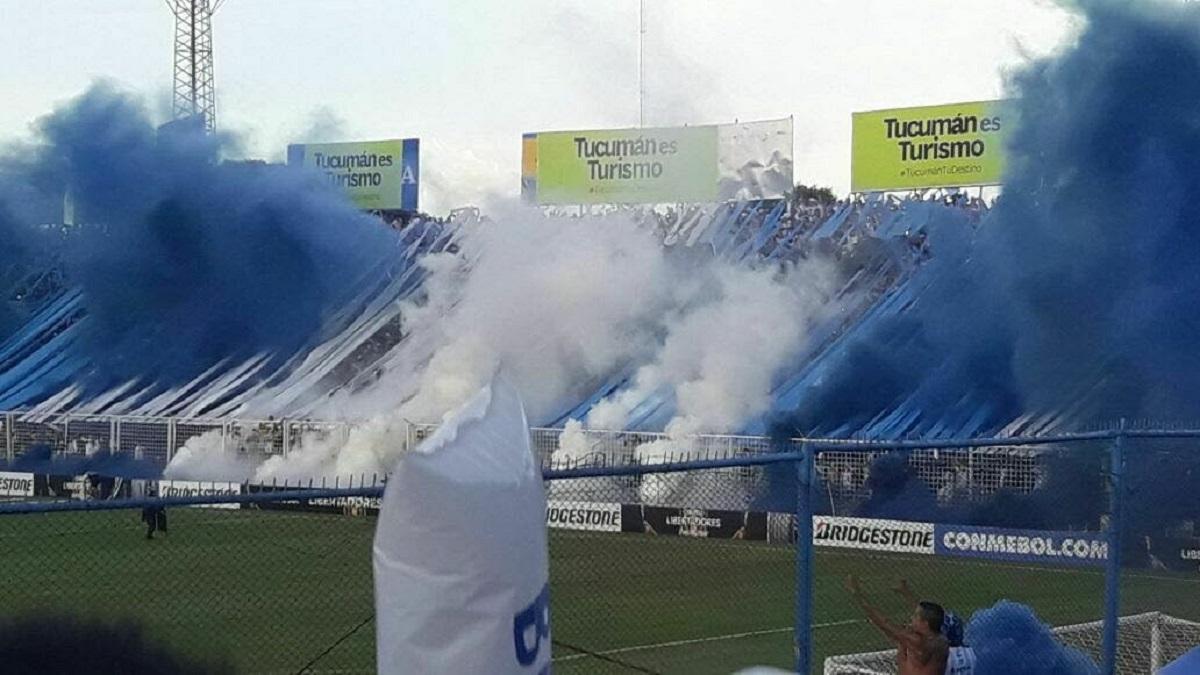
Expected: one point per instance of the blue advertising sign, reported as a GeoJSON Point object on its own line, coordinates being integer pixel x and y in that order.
{"type": "Point", "coordinates": [375, 175]}
{"type": "Point", "coordinates": [410, 178]}
{"type": "Point", "coordinates": [1027, 546]}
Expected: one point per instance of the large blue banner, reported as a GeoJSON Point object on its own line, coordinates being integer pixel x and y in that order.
{"type": "Point", "coordinates": [1026, 546]}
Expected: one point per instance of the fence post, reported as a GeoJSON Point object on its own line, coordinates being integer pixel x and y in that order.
{"type": "Point", "coordinates": [1156, 658]}
{"type": "Point", "coordinates": [1112, 582]}
{"type": "Point", "coordinates": [804, 558]}
{"type": "Point", "coordinates": [10, 421]}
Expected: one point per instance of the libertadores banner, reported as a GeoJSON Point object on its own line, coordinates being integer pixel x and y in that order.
{"type": "Point", "coordinates": [698, 164]}
{"type": "Point", "coordinates": [376, 175]}
{"type": "Point", "coordinates": [702, 523]}
{"type": "Point", "coordinates": [954, 145]}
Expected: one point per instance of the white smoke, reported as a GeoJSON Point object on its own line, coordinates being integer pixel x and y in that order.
{"type": "Point", "coordinates": [561, 304]}
{"type": "Point", "coordinates": [368, 448]}
{"type": "Point", "coordinates": [722, 353]}
{"type": "Point", "coordinates": [208, 457]}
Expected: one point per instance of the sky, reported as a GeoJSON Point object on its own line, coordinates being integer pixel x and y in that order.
{"type": "Point", "coordinates": [467, 77]}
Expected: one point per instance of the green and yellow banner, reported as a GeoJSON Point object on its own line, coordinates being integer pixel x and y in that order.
{"type": "Point", "coordinates": [672, 164]}
{"type": "Point", "coordinates": [952, 145]}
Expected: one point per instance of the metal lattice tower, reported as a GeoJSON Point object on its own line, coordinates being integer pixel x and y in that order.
{"type": "Point", "coordinates": [195, 92]}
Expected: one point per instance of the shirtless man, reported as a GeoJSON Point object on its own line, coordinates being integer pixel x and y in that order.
{"type": "Point", "coordinates": [961, 659]}
{"type": "Point", "coordinates": [921, 649]}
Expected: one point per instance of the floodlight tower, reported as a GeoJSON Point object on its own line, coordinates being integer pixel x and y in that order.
{"type": "Point", "coordinates": [195, 93]}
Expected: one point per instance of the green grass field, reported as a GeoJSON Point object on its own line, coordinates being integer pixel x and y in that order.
{"type": "Point", "coordinates": [273, 592]}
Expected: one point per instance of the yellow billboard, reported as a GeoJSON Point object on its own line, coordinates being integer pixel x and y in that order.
{"type": "Point", "coordinates": [700, 164]}
{"type": "Point", "coordinates": [952, 145]}
{"type": "Point", "coordinates": [672, 164]}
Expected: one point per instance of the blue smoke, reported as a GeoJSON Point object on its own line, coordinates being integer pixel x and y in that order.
{"type": "Point", "coordinates": [25, 251]}
{"type": "Point", "coordinates": [42, 460]}
{"type": "Point", "coordinates": [184, 262]}
{"type": "Point", "coordinates": [1084, 282]}
{"type": "Point", "coordinates": [1071, 495]}
{"type": "Point", "coordinates": [896, 492]}
{"type": "Point", "coordinates": [1009, 639]}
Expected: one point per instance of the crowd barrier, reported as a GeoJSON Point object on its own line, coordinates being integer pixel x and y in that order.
{"type": "Point", "coordinates": [651, 568]}
{"type": "Point", "coordinates": [954, 473]}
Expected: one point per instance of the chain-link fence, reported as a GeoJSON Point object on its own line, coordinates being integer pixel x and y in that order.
{"type": "Point", "coordinates": [269, 587]}
{"type": "Point", "coordinates": [669, 571]}
{"type": "Point", "coordinates": [663, 564]}
{"type": "Point", "coordinates": [155, 439]}
{"type": "Point", "coordinates": [1023, 524]}
{"type": "Point", "coordinates": [1078, 529]}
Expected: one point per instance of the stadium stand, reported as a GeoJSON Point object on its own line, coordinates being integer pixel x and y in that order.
{"type": "Point", "coordinates": [877, 242]}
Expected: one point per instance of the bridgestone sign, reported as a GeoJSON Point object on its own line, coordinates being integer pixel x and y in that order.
{"type": "Point", "coordinates": [16, 484]}
{"type": "Point", "coordinates": [869, 534]}
{"type": "Point", "coordinates": [192, 488]}
{"type": "Point", "coordinates": [589, 516]}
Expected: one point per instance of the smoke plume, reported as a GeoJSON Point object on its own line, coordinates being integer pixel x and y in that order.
{"type": "Point", "coordinates": [183, 262]}
{"type": "Point", "coordinates": [1009, 639]}
{"type": "Point", "coordinates": [1082, 288]}
{"type": "Point", "coordinates": [562, 304]}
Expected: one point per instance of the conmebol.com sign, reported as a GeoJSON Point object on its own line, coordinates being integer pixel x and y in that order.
{"type": "Point", "coordinates": [1031, 546]}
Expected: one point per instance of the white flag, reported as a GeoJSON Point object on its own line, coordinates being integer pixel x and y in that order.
{"type": "Point", "coordinates": [461, 572]}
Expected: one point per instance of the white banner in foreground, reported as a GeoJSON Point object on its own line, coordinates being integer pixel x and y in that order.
{"type": "Point", "coordinates": [461, 569]}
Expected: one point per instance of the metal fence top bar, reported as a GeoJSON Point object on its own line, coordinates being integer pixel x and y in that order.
{"type": "Point", "coordinates": [647, 434]}
{"type": "Point", "coordinates": [951, 444]}
{"type": "Point", "coordinates": [1161, 433]}
{"type": "Point", "coordinates": [672, 467]}
{"type": "Point", "coordinates": [34, 417]}
{"type": "Point", "coordinates": [195, 500]}
{"type": "Point", "coordinates": [333, 493]}
{"type": "Point", "coordinates": [816, 443]}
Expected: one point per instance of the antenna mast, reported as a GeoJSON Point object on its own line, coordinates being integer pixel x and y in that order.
{"type": "Point", "coordinates": [195, 92]}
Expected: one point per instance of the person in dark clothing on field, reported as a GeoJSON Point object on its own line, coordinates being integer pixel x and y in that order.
{"type": "Point", "coordinates": [155, 518]}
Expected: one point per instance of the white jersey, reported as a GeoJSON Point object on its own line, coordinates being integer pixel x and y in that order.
{"type": "Point", "coordinates": [961, 661]}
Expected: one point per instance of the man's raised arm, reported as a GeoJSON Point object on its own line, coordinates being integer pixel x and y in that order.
{"type": "Point", "coordinates": [900, 636]}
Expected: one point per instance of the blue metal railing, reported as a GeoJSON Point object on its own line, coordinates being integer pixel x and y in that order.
{"type": "Point", "coordinates": [805, 461]}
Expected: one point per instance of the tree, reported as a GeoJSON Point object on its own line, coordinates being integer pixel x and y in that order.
{"type": "Point", "coordinates": [802, 193]}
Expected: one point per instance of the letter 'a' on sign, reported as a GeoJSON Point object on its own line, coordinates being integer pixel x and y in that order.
{"type": "Point", "coordinates": [461, 567]}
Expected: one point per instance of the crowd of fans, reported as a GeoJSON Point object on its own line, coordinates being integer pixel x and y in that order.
{"type": "Point", "coordinates": [793, 228]}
